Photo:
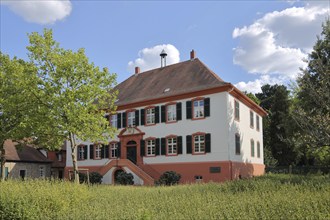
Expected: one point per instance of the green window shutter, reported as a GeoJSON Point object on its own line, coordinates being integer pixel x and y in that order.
{"type": "Point", "coordinates": [157, 114]}
{"type": "Point", "coordinates": [188, 110]}
{"type": "Point", "coordinates": [189, 144]}
{"type": "Point", "coordinates": [124, 119]}
{"type": "Point", "coordinates": [137, 118]}
{"type": "Point", "coordinates": [118, 150]}
{"type": "Point", "coordinates": [85, 152]}
{"type": "Point", "coordinates": [208, 143]}
{"type": "Point", "coordinates": [179, 142]}
{"type": "Point", "coordinates": [157, 146]}
{"type": "Point", "coordinates": [91, 151]}
{"type": "Point", "coordinates": [207, 107]}
{"type": "Point", "coordinates": [142, 148]}
{"type": "Point", "coordinates": [179, 111]}
{"type": "Point", "coordinates": [142, 117]}
{"type": "Point", "coordinates": [163, 146]}
{"type": "Point", "coordinates": [106, 150]}
{"type": "Point", "coordinates": [119, 120]}
{"type": "Point", "coordinates": [163, 113]}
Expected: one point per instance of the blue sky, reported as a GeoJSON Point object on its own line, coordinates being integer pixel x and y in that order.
{"type": "Point", "coordinates": [247, 43]}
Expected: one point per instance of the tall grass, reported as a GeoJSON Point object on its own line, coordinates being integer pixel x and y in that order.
{"type": "Point", "coordinates": [267, 197]}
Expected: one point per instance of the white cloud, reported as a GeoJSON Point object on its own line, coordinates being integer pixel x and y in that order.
{"type": "Point", "coordinates": [41, 11]}
{"type": "Point", "coordinates": [255, 86]}
{"type": "Point", "coordinates": [275, 45]}
{"type": "Point", "coordinates": [149, 57]}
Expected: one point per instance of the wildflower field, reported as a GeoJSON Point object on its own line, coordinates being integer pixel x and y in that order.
{"type": "Point", "coordinates": [268, 197]}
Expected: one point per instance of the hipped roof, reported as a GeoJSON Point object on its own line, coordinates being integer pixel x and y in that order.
{"type": "Point", "coordinates": [177, 80]}
{"type": "Point", "coordinates": [184, 77]}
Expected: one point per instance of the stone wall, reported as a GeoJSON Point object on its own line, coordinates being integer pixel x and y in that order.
{"type": "Point", "coordinates": [32, 170]}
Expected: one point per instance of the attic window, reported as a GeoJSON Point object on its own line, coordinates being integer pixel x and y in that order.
{"type": "Point", "coordinates": [166, 90]}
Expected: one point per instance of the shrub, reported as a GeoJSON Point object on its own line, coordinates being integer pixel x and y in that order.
{"type": "Point", "coordinates": [124, 178]}
{"type": "Point", "coordinates": [169, 178]}
{"type": "Point", "coordinates": [94, 178]}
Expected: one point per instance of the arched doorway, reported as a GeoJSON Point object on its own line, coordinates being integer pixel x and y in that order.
{"type": "Point", "coordinates": [131, 151]}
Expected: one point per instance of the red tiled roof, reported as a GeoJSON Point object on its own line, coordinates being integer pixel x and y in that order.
{"type": "Point", "coordinates": [180, 78]}
{"type": "Point", "coordinates": [15, 153]}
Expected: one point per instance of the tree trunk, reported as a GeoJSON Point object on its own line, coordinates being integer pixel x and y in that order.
{"type": "Point", "coordinates": [2, 161]}
{"type": "Point", "coordinates": [74, 159]}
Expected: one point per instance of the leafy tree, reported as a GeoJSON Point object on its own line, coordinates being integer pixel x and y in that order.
{"type": "Point", "coordinates": [72, 96]}
{"type": "Point", "coordinates": [275, 99]}
{"type": "Point", "coordinates": [252, 97]}
{"type": "Point", "coordinates": [312, 112]}
{"type": "Point", "coordinates": [15, 102]}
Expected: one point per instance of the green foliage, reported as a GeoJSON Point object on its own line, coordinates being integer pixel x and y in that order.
{"type": "Point", "coordinates": [277, 128]}
{"type": "Point", "coordinates": [252, 97]}
{"type": "Point", "coordinates": [16, 101]}
{"type": "Point", "coordinates": [72, 95]}
{"type": "Point", "coordinates": [94, 178]}
{"type": "Point", "coordinates": [312, 112]}
{"type": "Point", "coordinates": [169, 178]}
{"type": "Point", "coordinates": [124, 178]}
{"type": "Point", "coordinates": [266, 197]}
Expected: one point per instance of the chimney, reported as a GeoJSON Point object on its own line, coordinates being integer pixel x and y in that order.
{"type": "Point", "coordinates": [137, 70]}
{"type": "Point", "coordinates": [192, 54]}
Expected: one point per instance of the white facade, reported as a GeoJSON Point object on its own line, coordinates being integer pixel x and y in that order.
{"type": "Point", "coordinates": [220, 124]}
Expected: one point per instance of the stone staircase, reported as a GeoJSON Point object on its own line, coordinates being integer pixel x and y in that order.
{"type": "Point", "coordinates": [147, 179]}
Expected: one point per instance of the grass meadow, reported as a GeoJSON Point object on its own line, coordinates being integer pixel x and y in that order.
{"type": "Point", "coordinates": [273, 196]}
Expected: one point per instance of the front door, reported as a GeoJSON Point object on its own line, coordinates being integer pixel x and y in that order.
{"type": "Point", "coordinates": [131, 151]}
{"type": "Point", "coordinates": [131, 154]}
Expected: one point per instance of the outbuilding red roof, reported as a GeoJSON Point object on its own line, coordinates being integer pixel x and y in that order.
{"type": "Point", "coordinates": [21, 153]}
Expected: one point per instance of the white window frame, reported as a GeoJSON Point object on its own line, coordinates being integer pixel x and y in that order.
{"type": "Point", "coordinates": [98, 151]}
{"type": "Point", "coordinates": [172, 146]}
{"type": "Point", "coordinates": [237, 144]}
{"type": "Point", "coordinates": [258, 150]}
{"type": "Point", "coordinates": [171, 113]}
{"type": "Point", "coordinates": [199, 144]}
{"type": "Point", "coordinates": [251, 119]}
{"type": "Point", "coordinates": [114, 120]}
{"type": "Point", "coordinates": [42, 171]}
{"type": "Point", "coordinates": [198, 106]}
{"type": "Point", "coordinates": [151, 147]}
{"type": "Point", "coordinates": [131, 119]}
{"type": "Point", "coordinates": [150, 116]}
{"type": "Point", "coordinates": [113, 150]}
{"type": "Point", "coordinates": [257, 122]}
{"type": "Point", "coordinates": [236, 110]}
{"type": "Point", "coordinates": [81, 152]}
{"type": "Point", "coordinates": [253, 153]}
{"type": "Point", "coordinates": [59, 156]}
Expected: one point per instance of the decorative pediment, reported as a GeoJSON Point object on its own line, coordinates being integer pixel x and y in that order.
{"type": "Point", "coordinates": [131, 131]}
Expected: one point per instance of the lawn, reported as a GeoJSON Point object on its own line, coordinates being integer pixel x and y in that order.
{"type": "Point", "coordinates": [273, 196]}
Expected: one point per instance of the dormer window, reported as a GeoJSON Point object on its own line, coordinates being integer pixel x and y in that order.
{"type": "Point", "coordinates": [166, 90]}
